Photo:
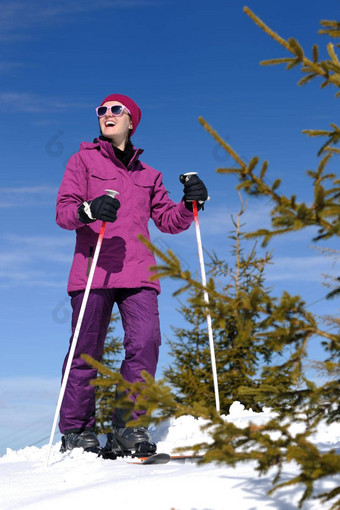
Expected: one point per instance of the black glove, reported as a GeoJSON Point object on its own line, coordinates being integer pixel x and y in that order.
{"type": "Point", "coordinates": [102, 208]}
{"type": "Point", "coordinates": [194, 189]}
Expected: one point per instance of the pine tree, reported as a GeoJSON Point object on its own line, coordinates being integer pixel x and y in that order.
{"type": "Point", "coordinates": [239, 349]}
{"type": "Point", "coordinates": [188, 374]}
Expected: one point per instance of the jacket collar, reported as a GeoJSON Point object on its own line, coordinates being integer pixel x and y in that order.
{"type": "Point", "coordinates": [106, 148]}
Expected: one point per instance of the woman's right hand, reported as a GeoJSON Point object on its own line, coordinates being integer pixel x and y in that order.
{"type": "Point", "coordinates": [102, 208]}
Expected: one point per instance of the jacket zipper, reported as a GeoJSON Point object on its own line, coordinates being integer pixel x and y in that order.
{"type": "Point", "coordinates": [137, 153]}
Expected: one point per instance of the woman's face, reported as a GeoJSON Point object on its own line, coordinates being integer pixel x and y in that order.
{"type": "Point", "coordinates": [115, 128]}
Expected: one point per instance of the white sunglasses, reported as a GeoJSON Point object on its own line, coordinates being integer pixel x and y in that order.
{"type": "Point", "coordinates": [117, 110]}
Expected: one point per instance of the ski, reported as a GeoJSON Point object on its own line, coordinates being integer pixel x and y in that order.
{"type": "Point", "coordinates": [155, 458]}
{"type": "Point", "coordinates": [132, 458]}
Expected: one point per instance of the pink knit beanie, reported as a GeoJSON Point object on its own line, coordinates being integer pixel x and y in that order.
{"type": "Point", "coordinates": [136, 113]}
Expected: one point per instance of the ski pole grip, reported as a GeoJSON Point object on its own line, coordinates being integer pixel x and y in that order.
{"type": "Point", "coordinates": [112, 193]}
{"type": "Point", "coordinates": [185, 177]}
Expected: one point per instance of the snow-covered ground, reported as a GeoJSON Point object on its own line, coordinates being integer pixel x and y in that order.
{"type": "Point", "coordinates": [81, 480]}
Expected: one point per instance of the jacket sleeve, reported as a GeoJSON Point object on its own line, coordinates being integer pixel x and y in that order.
{"type": "Point", "coordinates": [168, 216]}
{"type": "Point", "coordinates": [71, 194]}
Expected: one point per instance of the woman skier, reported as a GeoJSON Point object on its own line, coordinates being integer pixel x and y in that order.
{"type": "Point", "coordinates": [122, 273]}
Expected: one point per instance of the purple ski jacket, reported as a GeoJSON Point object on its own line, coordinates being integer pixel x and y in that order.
{"type": "Point", "coordinates": [123, 261]}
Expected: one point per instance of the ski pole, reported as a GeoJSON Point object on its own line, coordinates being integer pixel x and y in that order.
{"type": "Point", "coordinates": [112, 194]}
{"type": "Point", "coordinates": [205, 294]}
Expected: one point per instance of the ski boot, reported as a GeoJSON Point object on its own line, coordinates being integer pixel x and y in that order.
{"type": "Point", "coordinates": [86, 439]}
{"type": "Point", "coordinates": [135, 439]}
{"type": "Point", "coordinates": [112, 449]}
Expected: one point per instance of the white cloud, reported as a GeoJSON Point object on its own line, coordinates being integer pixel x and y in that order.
{"type": "Point", "coordinates": [19, 17]}
{"type": "Point", "coordinates": [35, 260]}
{"type": "Point", "coordinates": [292, 261]}
{"type": "Point", "coordinates": [27, 196]}
{"type": "Point", "coordinates": [27, 406]}
{"type": "Point", "coordinates": [30, 278]}
{"type": "Point", "coordinates": [304, 269]}
{"type": "Point", "coordinates": [6, 67]}
{"type": "Point", "coordinates": [219, 220]}
{"type": "Point", "coordinates": [50, 248]}
{"type": "Point", "coordinates": [15, 390]}
{"type": "Point", "coordinates": [26, 102]}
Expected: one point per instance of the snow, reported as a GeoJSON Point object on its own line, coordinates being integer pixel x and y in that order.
{"type": "Point", "coordinates": [82, 480]}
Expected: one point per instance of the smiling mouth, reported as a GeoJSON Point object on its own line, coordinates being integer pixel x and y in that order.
{"type": "Point", "coordinates": [109, 123]}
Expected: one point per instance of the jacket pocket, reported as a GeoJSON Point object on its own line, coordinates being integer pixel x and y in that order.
{"type": "Point", "coordinates": [98, 184]}
{"type": "Point", "coordinates": [101, 178]}
{"type": "Point", "coordinates": [144, 187]}
{"type": "Point", "coordinates": [143, 180]}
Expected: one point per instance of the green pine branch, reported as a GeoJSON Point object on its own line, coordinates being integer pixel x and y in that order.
{"type": "Point", "coordinates": [331, 28]}
{"type": "Point", "coordinates": [287, 214]}
{"type": "Point", "coordinates": [333, 138]}
{"type": "Point", "coordinates": [329, 70]}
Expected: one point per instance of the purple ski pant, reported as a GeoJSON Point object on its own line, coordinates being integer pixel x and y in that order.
{"type": "Point", "coordinates": [140, 319]}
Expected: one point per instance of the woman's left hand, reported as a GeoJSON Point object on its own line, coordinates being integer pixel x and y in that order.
{"type": "Point", "coordinates": [194, 189]}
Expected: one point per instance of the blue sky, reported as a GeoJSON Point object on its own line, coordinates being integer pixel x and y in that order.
{"type": "Point", "coordinates": [179, 61]}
